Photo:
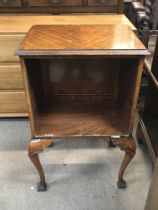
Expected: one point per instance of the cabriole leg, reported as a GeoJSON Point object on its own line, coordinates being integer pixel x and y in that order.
{"type": "Point", "coordinates": [35, 147]}
{"type": "Point", "coordinates": [129, 147]}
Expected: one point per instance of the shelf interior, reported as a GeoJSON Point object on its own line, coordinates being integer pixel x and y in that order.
{"type": "Point", "coordinates": [81, 119]}
{"type": "Point", "coordinates": [81, 97]}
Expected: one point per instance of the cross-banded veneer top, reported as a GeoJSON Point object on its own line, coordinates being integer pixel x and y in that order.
{"type": "Point", "coordinates": [81, 40]}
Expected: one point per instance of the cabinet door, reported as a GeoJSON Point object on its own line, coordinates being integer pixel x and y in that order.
{"type": "Point", "coordinates": [54, 2]}
{"type": "Point", "coordinates": [10, 3]}
{"type": "Point", "coordinates": [102, 2]}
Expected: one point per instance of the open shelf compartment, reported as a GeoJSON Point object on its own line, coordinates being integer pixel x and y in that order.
{"type": "Point", "coordinates": [81, 96]}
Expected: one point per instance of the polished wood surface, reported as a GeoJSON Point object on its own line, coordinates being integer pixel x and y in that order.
{"type": "Point", "coordinates": [13, 102]}
{"type": "Point", "coordinates": [22, 23]}
{"type": "Point", "coordinates": [72, 39]}
{"type": "Point", "coordinates": [8, 43]}
{"type": "Point", "coordinates": [35, 147]}
{"type": "Point", "coordinates": [81, 94]}
{"type": "Point", "coordinates": [53, 95]}
{"type": "Point", "coordinates": [81, 119]}
{"type": "Point", "coordinates": [10, 77]}
{"type": "Point", "coordinates": [128, 145]}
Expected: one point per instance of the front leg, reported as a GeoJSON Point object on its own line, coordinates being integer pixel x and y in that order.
{"type": "Point", "coordinates": [128, 145]}
{"type": "Point", "coordinates": [35, 147]}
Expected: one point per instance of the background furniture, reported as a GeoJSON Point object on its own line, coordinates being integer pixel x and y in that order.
{"type": "Point", "coordinates": [152, 201]}
{"type": "Point", "coordinates": [88, 95]}
{"type": "Point", "coordinates": [145, 21]}
{"type": "Point", "coordinates": [12, 30]}
{"type": "Point", "coordinates": [148, 124]}
{"type": "Point", "coordinates": [61, 6]}
{"type": "Point", "coordinates": [145, 18]}
{"type": "Point", "coordinates": [155, 16]}
{"type": "Point", "coordinates": [141, 17]}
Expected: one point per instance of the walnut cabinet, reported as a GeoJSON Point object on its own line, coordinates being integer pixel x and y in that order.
{"type": "Point", "coordinates": [81, 81]}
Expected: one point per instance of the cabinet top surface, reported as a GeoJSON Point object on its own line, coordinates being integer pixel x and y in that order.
{"type": "Point", "coordinates": [22, 23]}
{"type": "Point", "coordinates": [80, 40]}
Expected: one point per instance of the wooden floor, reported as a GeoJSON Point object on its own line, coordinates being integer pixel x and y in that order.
{"type": "Point", "coordinates": [81, 119]}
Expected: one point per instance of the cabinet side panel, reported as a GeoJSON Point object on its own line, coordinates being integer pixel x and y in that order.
{"type": "Point", "coordinates": [129, 82]}
{"type": "Point", "coordinates": [28, 91]}
{"type": "Point", "coordinates": [138, 77]}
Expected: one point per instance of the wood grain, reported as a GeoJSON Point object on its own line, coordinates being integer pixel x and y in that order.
{"type": "Point", "coordinates": [35, 147]}
{"type": "Point", "coordinates": [136, 93]}
{"type": "Point", "coordinates": [8, 44]}
{"type": "Point", "coordinates": [43, 90]}
{"type": "Point", "coordinates": [51, 117]}
{"type": "Point", "coordinates": [10, 24]}
{"type": "Point", "coordinates": [12, 102]}
{"type": "Point", "coordinates": [81, 118]}
{"type": "Point", "coordinates": [10, 77]}
{"type": "Point", "coordinates": [54, 88]}
{"type": "Point", "coordinates": [73, 39]}
{"type": "Point", "coordinates": [31, 108]}
{"type": "Point", "coordinates": [129, 146]}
